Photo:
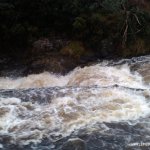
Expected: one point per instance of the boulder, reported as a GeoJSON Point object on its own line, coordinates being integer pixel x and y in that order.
{"type": "Point", "coordinates": [74, 144]}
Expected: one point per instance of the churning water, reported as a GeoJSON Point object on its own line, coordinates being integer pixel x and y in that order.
{"type": "Point", "coordinates": [106, 99]}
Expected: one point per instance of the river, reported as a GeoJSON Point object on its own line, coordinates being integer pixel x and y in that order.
{"type": "Point", "coordinates": [103, 106]}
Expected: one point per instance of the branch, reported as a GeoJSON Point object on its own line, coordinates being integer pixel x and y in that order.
{"type": "Point", "coordinates": [137, 19]}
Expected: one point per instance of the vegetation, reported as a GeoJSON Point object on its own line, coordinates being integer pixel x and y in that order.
{"type": "Point", "coordinates": [119, 23]}
{"type": "Point", "coordinates": [74, 49]}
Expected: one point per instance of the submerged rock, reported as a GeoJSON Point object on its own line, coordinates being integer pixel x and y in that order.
{"type": "Point", "coordinates": [74, 144]}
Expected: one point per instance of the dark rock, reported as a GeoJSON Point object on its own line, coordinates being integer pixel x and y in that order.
{"type": "Point", "coordinates": [53, 43]}
{"type": "Point", "coordinates": [54, 63]}
{"type": "Point", "coordinates": [107, 48]}
{"type": "Point", "coordinates": [74, 144]}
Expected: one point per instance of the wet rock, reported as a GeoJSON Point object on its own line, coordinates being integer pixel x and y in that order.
{"type": "Point", "coordinates": [56, 55]}
{"type": "Point", "coordinates": [3, 111]}
{"type": "Point", "coordinates": [74, 144]}
{"type": "Point", "coordinates": [143, 69]}
{"type": "Point", "coordinates": [42, 44]}
{"type": "Point", "coordinates": [5, 138]}
{"type": "Point", "coordinates": [54, 63]}
{"type": "Point", "coordinates": [53, 43]}
{"type": "Point", "coordinates": [107, 48]}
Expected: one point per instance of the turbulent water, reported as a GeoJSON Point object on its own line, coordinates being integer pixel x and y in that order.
{"type": "Point", "coordinates": [106, 104]}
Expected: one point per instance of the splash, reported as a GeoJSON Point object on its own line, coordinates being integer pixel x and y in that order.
{"type": "Point", "coordinates": [87, 76]}
{"type": "Point", "coordinates": [87, 96]}
{"type": "Point", "coordinates": [31, 121]}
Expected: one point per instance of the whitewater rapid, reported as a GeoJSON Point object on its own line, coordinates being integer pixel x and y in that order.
{"type": "Point", "coordinates": [87, 76]}
{"type": "Point", "coordinates": [54, 106]}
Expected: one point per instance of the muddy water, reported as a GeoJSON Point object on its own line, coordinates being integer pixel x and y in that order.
{"type": "Point", "coordinates": [106, 105]}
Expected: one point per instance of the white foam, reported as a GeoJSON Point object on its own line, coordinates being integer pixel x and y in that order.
{"type": "Point", "coordinates": [10, 101]}
{"type": "Point", "coordinates": [31, 121]}
{"type": "Point", "coordinates": [87, 76]}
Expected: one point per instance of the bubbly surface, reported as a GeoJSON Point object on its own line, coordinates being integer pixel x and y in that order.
{"type": "Point", "coordinates": [86, 96]}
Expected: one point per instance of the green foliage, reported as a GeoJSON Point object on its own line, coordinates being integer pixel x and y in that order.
{"type": "Point", "coordinates": [79, 24]}
{"type": "Point", "coordinates": [92, 21]}
{"type": "Point", "coordinates": [74, 49]}
{"type": "Point", "coordinates": [112, 6]}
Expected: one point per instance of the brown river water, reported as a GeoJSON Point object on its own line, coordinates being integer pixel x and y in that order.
{"type": "Point", "coordinates": [106, 105]}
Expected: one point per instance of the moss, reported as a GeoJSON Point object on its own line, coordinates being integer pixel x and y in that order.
{"type": "Point", "coordinates": [79, 24]}
{"type": "Point", "coordinates": [73, 49]}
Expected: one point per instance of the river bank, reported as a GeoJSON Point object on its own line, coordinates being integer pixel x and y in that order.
{"type": "Point", "coordinates": [58, 56]}
{"type": "Point", "coordinates": [58, 36]}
